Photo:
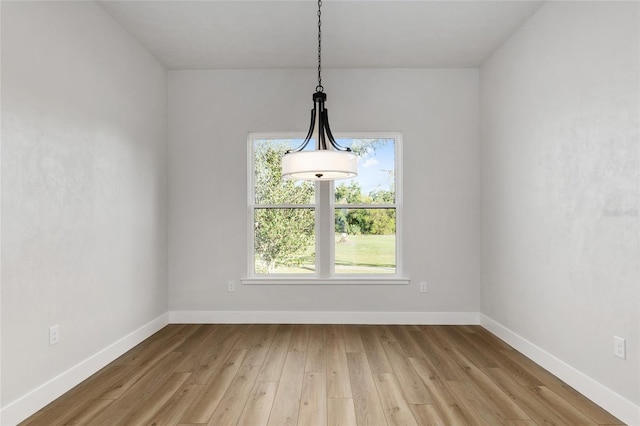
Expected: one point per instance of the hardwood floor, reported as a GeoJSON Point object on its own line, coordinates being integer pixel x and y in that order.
{"type": "Point", "coordinates": [322, 375]}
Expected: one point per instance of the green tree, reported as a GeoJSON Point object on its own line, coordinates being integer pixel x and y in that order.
{"type": "Point", "coordinates": [350, 221]}
{"type": "Point", "coordinates": [351, 193]}
{"type": "Point", "coordinates": [363, 147]}
{"type": "Point", "coordinates": [364, 221]}
{"type": "Point", "coordinates": [282, 235]}
{"type": "Point", "coordinates": [383, 196]}
{"type": "Point", "coordinates": [383, 221]}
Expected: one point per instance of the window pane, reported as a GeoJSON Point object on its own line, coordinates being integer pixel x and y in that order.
{"type": "Point", "coordinates": [284, 241]}
{"type": "Point", "coordinates": [375, 183]}
{"type": "Point", "coordinates": [365, 241]}
{"type": "Point", "coordinates": [270, 188]}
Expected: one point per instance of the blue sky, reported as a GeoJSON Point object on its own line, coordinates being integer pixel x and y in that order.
{"type": "Point", "coordinates": [373, 169]}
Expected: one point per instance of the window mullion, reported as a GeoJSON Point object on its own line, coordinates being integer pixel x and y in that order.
{"type": "Point", "coordinates": [324, 237]}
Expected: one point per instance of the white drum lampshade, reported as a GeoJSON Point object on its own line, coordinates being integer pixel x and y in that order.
{"type": "Point", "coordinates": [319, 165]}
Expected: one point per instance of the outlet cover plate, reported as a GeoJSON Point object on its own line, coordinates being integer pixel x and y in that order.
{"type": "Point", "coordinates": [54, 335]}
{"type": "Point", "coordinates": [619, 347]}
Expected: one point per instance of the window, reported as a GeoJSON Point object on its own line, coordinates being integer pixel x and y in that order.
{"type": "Point", "coordinates": [340, 231]}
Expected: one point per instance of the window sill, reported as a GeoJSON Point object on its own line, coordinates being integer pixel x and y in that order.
{"type": "Point", "coordinates": [326, 281]}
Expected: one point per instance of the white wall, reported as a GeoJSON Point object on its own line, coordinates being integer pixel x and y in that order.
{"type": "Point", "coordinates": [560, 163]}
{"type": "Point", "coordinates": [210, 115]}
{"type": "Point", "coordinates": [84, 188]}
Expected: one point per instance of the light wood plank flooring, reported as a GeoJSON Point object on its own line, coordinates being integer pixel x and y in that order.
{"type": "Point", "coordinates": [322, 375]}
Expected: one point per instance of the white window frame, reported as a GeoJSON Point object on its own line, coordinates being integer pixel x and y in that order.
{"type": "Point", "coordinates": [325, 222]}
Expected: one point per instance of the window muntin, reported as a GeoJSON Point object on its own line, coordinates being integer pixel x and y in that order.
{"type": "Point", "coordinates": [362, 217]}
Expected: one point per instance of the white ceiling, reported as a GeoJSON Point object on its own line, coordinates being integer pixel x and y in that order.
{"type": "Point", "coordinates": [355, 34]}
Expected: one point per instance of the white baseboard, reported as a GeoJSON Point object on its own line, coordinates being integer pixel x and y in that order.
{"type": "Point", "coordinates": [322, 317]}
{"type": "Point", "coordinates": [28, 404]}
{"type": "Point", "coordinates": [620, 407]}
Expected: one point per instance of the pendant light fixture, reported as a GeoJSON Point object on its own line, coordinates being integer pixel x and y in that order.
{"type": "Point", "coordinates": [329, 161]}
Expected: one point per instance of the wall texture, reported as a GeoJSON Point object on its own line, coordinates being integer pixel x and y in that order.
{"type": "Point", "coordinates": [84, 188]}
{"type": "Point", "coordinates": [560, 163]}
{"type": "Point", "coordinates": [210, 116]}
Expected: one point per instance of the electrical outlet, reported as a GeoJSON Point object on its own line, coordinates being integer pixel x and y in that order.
{"type": "Point", "coordinates": [54, 335]}
{"type": "Point", "coordinates": [423, 287]}
{"type": "Point", "coordinates": [619, 347]}
{"type": "Point", "coordinates": [231, 286]}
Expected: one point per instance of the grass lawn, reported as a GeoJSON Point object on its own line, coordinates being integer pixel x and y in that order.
{"type": "Point", "coordinates": [359, 254]}
{"type": "Point", "coordinates": [366, 254]}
